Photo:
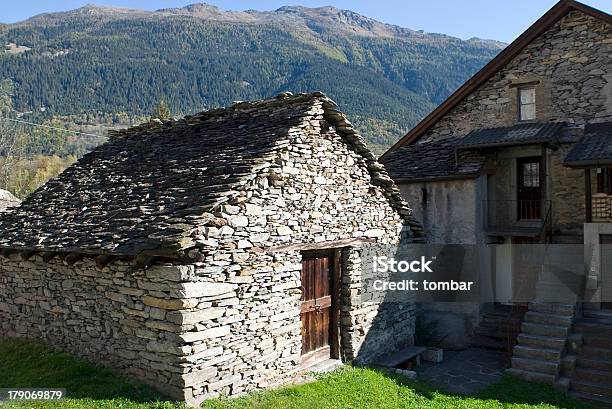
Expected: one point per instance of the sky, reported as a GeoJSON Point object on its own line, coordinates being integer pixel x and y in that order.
{"type": "Point", "coordinates": [501, 20]}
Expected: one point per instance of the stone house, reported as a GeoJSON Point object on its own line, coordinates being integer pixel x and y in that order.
{"type": "Point", "coordinates": [7, 200]}
{"type": "Point", "coordinates": [216, 254]}
{"type": "Point", "coordinates": [522, 153]}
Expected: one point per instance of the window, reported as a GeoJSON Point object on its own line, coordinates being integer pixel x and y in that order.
{"type": "Point", "coordinates": [604, 180]}
{"type": "Point", "coordinates": [531, 174]}
{"type": "Point", "coordinates": [527, 108]}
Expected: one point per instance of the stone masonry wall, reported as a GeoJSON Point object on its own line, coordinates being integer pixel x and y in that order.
{"type": "Point", "coordinates": [318, 190]}
{"type": "Point", "coordinates": [118, 315]}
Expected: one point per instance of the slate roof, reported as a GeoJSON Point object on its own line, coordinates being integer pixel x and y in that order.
{"type": "Point", "coordinates": [594, 148]}
{"type": "Point", "coordinates": [437, 159]}
{"type": "Point", "coordinates": [519, 134]}
{"type": "Point", "coordinates": [149, 187]}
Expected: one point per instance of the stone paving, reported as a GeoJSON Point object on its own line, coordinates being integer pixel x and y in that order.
{"type": "Point", "coordinates": [466, 372]}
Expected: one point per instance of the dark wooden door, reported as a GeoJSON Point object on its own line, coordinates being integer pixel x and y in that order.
{"type": "Point", "coordinates": [529, 188]}
{"type": "Point", "coordinates": [316, 306]}
{"type": "Point", "coordinates": [606, 271]}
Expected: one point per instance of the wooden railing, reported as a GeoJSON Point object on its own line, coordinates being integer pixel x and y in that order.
{"type": "Point", "coordinates": [601, 207]}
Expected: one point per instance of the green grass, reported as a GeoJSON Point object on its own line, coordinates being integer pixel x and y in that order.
{"type": "Point", "coordinates": [366, 388]}
{"type": "Point", "coordinates": [30, 364]}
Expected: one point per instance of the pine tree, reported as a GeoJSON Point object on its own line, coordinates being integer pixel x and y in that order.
{"type": "Point", "coordinates": [162, 111]}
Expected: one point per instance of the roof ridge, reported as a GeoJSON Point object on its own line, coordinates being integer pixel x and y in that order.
{"type": "Point", "coordinates": [282, 98]}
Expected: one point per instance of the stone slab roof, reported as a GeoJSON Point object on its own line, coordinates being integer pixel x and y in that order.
{"type": "Point", "coordinates": [7, 200]}
{"type": "Point", "coordinates": [150, 186]}
{"type": "Point", "coordinates": [519, 134]}
{"type": "Point", "coordinates": [594, 148]}
{"type": "Point", "coordinates": [437, 159]}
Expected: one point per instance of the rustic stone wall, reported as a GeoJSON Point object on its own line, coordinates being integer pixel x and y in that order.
{"type": "Point", "coordinates": [119, 315]}
{"type": "Point", "coordinates": [567, 187]}
{"type": "Point", "coordinates": [319, 190]}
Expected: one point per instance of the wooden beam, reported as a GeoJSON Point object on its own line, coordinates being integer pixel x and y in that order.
{"type": "Point", "coordinates": [588, 198]}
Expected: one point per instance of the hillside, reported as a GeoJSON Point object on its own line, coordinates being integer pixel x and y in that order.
{"type": "Point", "coordinates": [98, 61]}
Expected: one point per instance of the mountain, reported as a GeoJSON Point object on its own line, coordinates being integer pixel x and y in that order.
{"type": "Point", "coordinates": [96, 61]}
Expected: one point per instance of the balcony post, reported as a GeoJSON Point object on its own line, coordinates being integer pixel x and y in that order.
{"type": "Point", "coordinates": [588, 197]}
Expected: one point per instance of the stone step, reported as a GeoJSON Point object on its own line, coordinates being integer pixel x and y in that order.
{"type": "Point", "coordinates": [557, 292]}
{"type": "Point", "coordinates": [587, 327]}
{"type": "Point", "coordinates": [551, 319]}
{"type": "Point", "coordinates": [541, 341]}
{"type": "Point", "coordinates": [595, 353]}
{"type": "Point", "coordinates": [532, 376]}
{"type": "Point", "coordinates": [544, 354]}
{"type": "Point", "coordinates": [556, 331]}
{"type": "Point", "coordinates": [535, 365]}
{"type": "Point", "coordinates": [553, 308]}
{"type": "Point", "coordinates": [595, 388]}
{"type": "Point", "coordinates": [594, 375]}
{"type": "Point", "coordinates": [599, 400]}
{"type": "Point", "coordinates": [600, 364]}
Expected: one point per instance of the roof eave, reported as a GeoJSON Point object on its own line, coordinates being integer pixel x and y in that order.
{"type": "Point", "coordinates": [436, 178]}
{"type": "Point", "coordinates": [593, 163]}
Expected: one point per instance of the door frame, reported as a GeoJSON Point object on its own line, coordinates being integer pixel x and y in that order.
{"type": "Point", "coordinates": [520, 161]}
{"type": "Point", "coordinates": [334, 322]}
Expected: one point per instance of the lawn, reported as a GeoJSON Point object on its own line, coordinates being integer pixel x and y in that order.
{"type": "Point", "coordinates": [29, 364]}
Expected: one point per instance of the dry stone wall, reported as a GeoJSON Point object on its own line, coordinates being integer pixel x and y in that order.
{"type": "Point", "coordinates": [317, 191]}
{"type": "Point", "coordinates": [119, 315]}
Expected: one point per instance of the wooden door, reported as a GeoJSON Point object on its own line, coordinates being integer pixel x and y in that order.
{"type": "Point", "coordinates": [529, 188]}
{"type": "Point", "coordinates": [606, 271]}
{"type": "Point", "coordinates": [317, 304]}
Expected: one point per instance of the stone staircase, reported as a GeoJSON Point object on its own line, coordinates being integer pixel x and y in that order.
{"type": "Point", "coordinates": [498, 328]}
{"type": "Point", "coordinates": [588, 365]}
{"type": "Point", "coordinates": [542, 341]}
{"type": "Point", "coordinates": [541, 349]}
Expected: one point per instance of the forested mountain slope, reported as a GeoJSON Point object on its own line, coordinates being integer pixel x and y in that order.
{"type": "Point", "coordinates": [96, 61]}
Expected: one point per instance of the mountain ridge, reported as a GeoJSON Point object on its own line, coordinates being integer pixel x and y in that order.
{"type": "Point", "coordinates": [365, 25]}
